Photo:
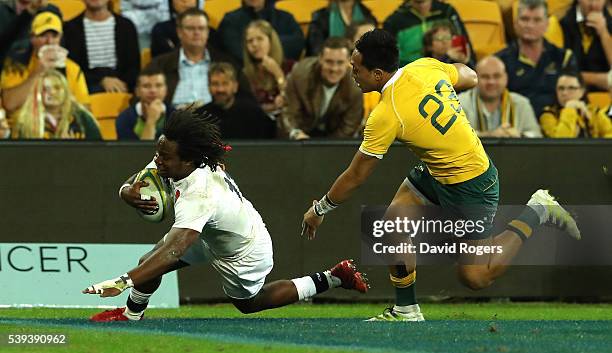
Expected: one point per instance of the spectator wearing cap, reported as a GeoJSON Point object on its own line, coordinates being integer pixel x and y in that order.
{"type": "Point", "coordinates": [16, 19]}
{"type": "Point", "coordinates": [24, 66]}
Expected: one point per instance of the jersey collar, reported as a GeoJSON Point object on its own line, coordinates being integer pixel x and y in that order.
{"type": "Point", "coordinates": [393, 78]}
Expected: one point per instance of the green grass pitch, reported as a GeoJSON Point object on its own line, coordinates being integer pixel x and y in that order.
{"type": "Point", "coordinates": [490, 327]}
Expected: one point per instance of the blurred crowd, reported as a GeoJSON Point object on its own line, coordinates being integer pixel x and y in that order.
{"type": "Point", "coordinates": [266, 76]}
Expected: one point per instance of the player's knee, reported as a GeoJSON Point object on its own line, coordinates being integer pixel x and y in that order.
{"type": "Point", "coordinates": [246, 307]}
{"type": "Point", "coordinates": [475, 277]}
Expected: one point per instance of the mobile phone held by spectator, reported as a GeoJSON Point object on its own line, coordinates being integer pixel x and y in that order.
{"type": "Point", "coordinates": [459, 41]}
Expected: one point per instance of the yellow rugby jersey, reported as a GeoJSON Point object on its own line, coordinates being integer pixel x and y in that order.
{"type": "Point", "coordinates": [419, 107]}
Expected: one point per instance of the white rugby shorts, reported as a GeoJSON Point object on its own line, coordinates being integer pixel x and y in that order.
{"type": "Point", "coordinates": [243, 278]}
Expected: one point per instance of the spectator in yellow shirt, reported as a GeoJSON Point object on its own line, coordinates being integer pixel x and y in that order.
{"type": "Point", "coordinates": [571, 116]}
{"type": "Point", "coordinates": [25, 65]}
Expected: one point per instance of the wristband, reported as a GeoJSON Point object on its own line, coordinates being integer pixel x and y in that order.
{"type": "Point", "coordinates": [120, 283]}
{"type": "Point", "coordinates": [122, 187]}
{"type": "Point", "coordinates": [324, 206]}
{"type": "Point", "coordinates": [127, 280]}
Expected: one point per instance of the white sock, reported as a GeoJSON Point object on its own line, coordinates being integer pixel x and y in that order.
{"type": "Point", "coordinates": [138, 298]}
{"type": "Point", "coordinates": [305, 287]}
{"type": "Point", "coordinates": [333, 281]}
{"type": "Point", "coordinates": [407, 309]}
{"type": "Point", "coordinates": [132, 315]}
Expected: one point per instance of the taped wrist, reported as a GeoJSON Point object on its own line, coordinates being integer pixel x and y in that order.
{"type": "Point", "coordinates": [121, 283]}
{"type": "Point", "coordinates": [324, 206]}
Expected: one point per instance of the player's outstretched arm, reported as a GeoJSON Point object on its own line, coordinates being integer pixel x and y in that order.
{"type": "Point", "coordinates": [177, 241]}
{"type": "Point", "coordinates": [467, 77]}
{"type": "Point", "coordinates": [130, 194]}
{"type": "Point", "coordinates": [356, 174]}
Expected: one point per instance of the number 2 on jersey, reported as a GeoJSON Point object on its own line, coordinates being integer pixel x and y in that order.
{"type": "Point", "coordinates": [434, 117]}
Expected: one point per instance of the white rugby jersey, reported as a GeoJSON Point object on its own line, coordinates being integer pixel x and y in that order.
{"type": "Point", "coordinates": [211, 203]}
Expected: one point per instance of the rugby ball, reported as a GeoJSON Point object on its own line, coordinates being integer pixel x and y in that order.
{"type": "Point", "coordinates": [157, 188]}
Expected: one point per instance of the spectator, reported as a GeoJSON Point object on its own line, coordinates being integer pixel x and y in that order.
{"type": "Point", "coordinates": [437, 43]}
{"type": "Point", "coordinates": [492, 110]}
{"type": "Point", "coordinates": [105, 45]}
{"type": "Point", "coordinates": [586, 31]}
{"type": "Point", "coordinates": [322, 98]}
{"type": "Point", "coordinates": [5, 129]}
{"type": "Point", "coordinates": [24, 66]}
{"type": "Point", "coordinates": [144, 14]}
{"type": "Point", "coordinates": [164, 38]}
{"type": "Point", "coordinates": [50, 112]}
{"type": "Point", "coordinates": [570, 116]}
{"type": "Point", "coordinates": [532, 63]}
{"type": "Point", "coordinates": [145, 119]}
{"type": "Point", "coordinates": [15, 22]}
{"type": "Point", "coordinates": [264, 66]}
{"type": "Point", "coordinates": [370, 99]}
{"type": "Point", "coordinates": [412, 19]}
{"type": "Point", "coordinates": [333, 21]}
{"type": "Point", "coordinates": [186, 68]}
{"type": "Point", "coordinates": [357, 29]}
{"type": "Point", "coordinates": [235, 22]}
{"type": "Point", "coordinates": [238, 118]}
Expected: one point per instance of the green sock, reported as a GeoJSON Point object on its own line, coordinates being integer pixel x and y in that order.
{"type": "Point", "coordinates": [405, 296]}
{"type": "Point", "coordinates": [523, 225]}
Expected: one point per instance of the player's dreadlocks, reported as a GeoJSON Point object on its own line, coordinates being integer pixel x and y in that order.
{"type": "Point", "coordinates": [196, 132]}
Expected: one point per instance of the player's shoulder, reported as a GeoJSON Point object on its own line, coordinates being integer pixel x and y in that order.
{"type": "Point", "coordinates": [425, 69]}
{"type": "Point", "coordinates": [382, 109]}
{"type": "Point", "coordinates": [196, 183]}
{"type": "Point", "coordinates": [425, 63]}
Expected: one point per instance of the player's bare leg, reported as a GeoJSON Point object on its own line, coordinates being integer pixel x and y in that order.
{"type": "Point", "coordinates": [541, 208]}
{"type": "Point", "coordinates": [285, 292]}
{"type": "Point", "coordinates": [402, 276]}
{"type": "Point", "coordinates": [138, 299]}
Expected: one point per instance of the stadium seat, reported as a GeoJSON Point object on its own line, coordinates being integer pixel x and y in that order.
{"type": "Point", "coordinates": [69, 8]}
{"type": "Point", "coordinates": [554, 32]}
{"type": "Point", "coordinates": [106, 107]}
{"type": "Point", "coordinates": [381, 9]}
{"type": "Point", "coordinates": [116, 6]}
{"type": "Point", "coordinates": [302, 10]}
{"type": "Point", "coordinates": [558, 8]}
{"type": "Point", "coordinates": [484, 24]}
{"type": "Point", "coordinates": [599, 99]}
{"type": "Point", "coordinates": [145, 57]}
{"type": "Point", "coordinates": [216, 9]}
